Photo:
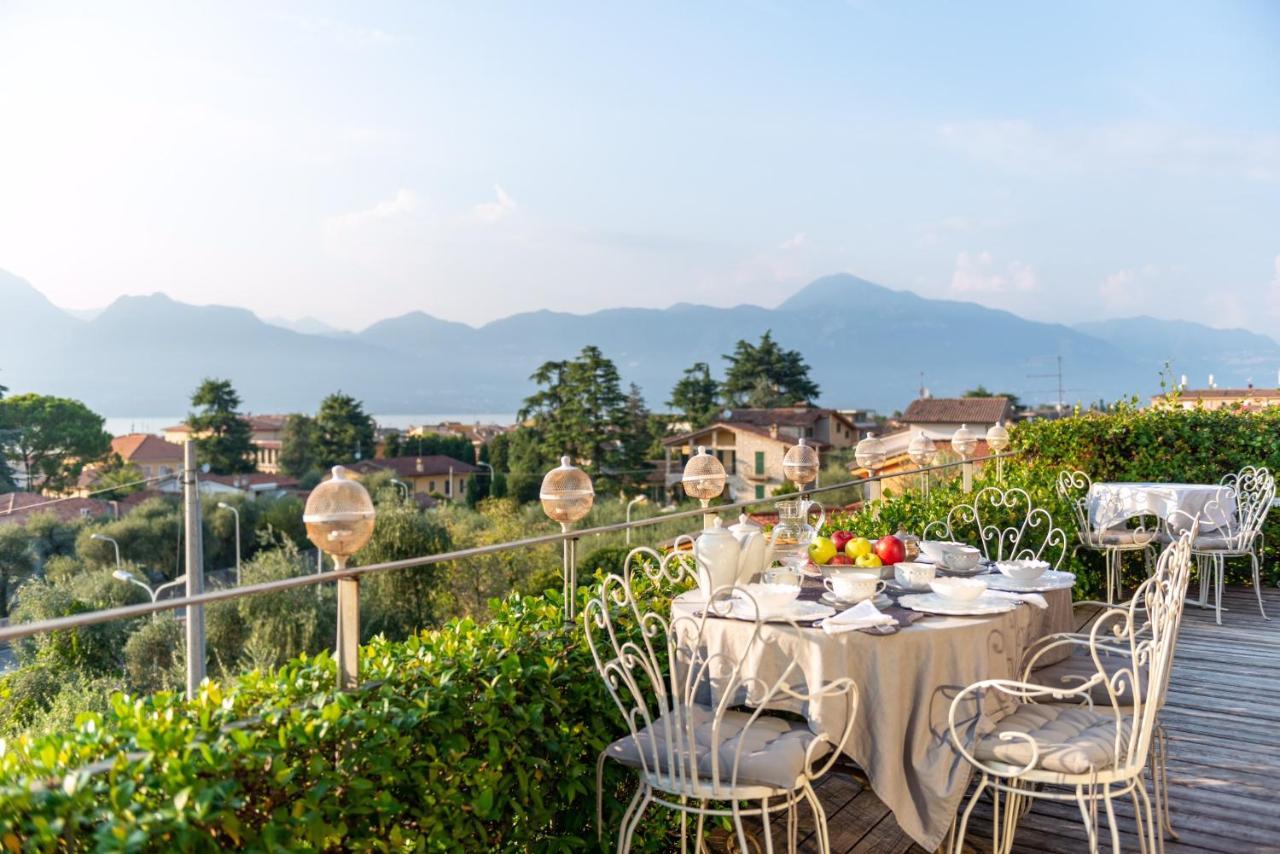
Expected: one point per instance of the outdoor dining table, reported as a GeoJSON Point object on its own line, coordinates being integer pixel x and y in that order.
{"type": "Point", "coordinates": [906, 682]}
{"type": "Point", "coordinates": [1111, 504]}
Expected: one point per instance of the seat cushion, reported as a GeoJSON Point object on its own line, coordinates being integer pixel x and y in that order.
{"type": "Point", "coordinates": [1079, 667]}
{"type": "Point", "coordinates": [1071, 739]}
{"type": "Point", "coordinates": [1121, 537]}
{"type": "Point", "coordinates": [773, 749]}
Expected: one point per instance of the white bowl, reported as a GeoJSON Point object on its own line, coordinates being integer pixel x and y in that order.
{"type": "Point", "coordinates": [959, 589]}
{"type": "Point", "coordinates": [771, 598]}
{"type": "Point", "coordinates": [914, 575]}
{"type": "Point", "coordinates": [1022, 570]}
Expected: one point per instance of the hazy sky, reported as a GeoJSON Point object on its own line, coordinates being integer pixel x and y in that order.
{"type": "Point", "coordinates": [354, 161]}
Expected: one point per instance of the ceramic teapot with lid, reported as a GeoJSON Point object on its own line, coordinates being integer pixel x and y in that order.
{"type": "Point", "coordinates": [751, 540]}
{"type": "Point", "coordinates": [722, 560]}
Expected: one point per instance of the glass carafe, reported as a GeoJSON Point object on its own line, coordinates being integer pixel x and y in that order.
{"type": "Point", "coordinates": [789, 542]}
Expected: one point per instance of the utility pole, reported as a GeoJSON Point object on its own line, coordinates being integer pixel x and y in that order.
{"type": "Point", "coordinates": [1061, 391]}
{"type": "Point", "coordinates": [195, 569]}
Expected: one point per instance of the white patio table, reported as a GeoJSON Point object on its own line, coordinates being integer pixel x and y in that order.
{"type": "Point", "coordinates": [906, 682]}
{"type": "Point", "coordinates": [1110, 504]}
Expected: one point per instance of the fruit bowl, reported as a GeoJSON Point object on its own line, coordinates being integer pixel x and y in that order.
{"type": "Point", "coordinates": [1022, 570]}
{"type": "Point", "coordinates": [959, 589]}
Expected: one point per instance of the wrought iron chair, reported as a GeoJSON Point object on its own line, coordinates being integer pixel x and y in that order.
{"type": "Point", "coordinates": [698, 732]}
{"type": "Point", "coordinates": [1060, 737]}
{"type": "Point", "coordinates": [1005, 525]}
{"type": "Point", "coordinates": [1108, 529]}
{"type": "Point", "coordinates": [1250, 491]}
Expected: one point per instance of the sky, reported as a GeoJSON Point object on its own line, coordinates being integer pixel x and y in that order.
{"type": "Point", "coordinates": [351, 162]}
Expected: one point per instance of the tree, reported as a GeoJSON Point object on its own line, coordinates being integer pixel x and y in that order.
{"type": "Point", "coordinates": [981, 391]}
{"type": "Point", "coordinates": [116, 479]}
{"type": "Point", "coordinates": [636, 440]}
{"type": "Point", "coordinates": [579, 410]}
{"type": "Point", "coordinates": [403, 601]}
{"type": "Point", "coordinates": [223, 438]}
{"type": "Point", "coordinates": [427, 444]}
{"type": "Point", "coordinates": [53, 437]}
{"type": "Point", "coordinates": [344, 432]}
{"type": "Point", "coordinates": [393, 444]}
{"type": "Point", "coordinates": [766, 375]}
{"type": "Point", "coordinates": [17, 561]}
{"type": "Point", "coordinates": [697, 395]}
{"type": "Point", "coordinates": [6, 473]}
{"type": "Point", "coordinates": [298, 445]}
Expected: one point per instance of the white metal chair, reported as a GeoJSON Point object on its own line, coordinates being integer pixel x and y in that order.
{"type": "Point", "coordinates": [1005, 525]}
{"type": "Point", "coordinates": [1250, 491]}
{"type": "Point", "coordinates": [1059, 737]}
{"type": "Point", "coordinates": [699, 738]}
{"type": "Point", "coordinates": [1121, 533]}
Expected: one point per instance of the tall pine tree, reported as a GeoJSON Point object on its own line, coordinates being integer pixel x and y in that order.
{"type": "Point", "coordinates": [767, 375]}
{"type": "Point", "coordinates": [223, 438]}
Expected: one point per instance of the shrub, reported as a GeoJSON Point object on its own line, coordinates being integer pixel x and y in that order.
{"type": "Point", "coordinates": [470, 737]}
{"type": "Point", "coordinates": [154, 657]}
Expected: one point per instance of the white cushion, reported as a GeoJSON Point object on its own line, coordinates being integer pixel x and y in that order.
{"type": "Point", "coordinates": [1121, 537]}
{"type": "Point", "coordinates": [1079, 667]}
{"type": "Point", "coordinates": [1071, 739]}
{"type": "Point", "coordinates": [773, 752]}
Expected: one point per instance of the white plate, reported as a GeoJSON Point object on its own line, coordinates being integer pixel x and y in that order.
{"type": "Point", "coordinates": [800, 611]}
{"type": "Point", "coordinates": [893, 586]}
{"type": "Point", "coordinates": [881, 601]}
{"type": "Point", "coordinates": [932, 603]}
{"type": "Point", "coordinates": [1051, 579]}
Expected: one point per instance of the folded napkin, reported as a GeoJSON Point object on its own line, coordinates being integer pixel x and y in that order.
{"type": "Point", "coordinates": [1030, 598]}
{"type": "Point", "coordinates": [864, 615]}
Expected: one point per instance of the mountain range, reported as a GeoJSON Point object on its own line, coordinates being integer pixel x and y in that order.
{"type": "Point", "coordinates": [867, 346]}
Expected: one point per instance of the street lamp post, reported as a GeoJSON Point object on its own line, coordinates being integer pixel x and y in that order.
{"type": "Point", "coordinates": [104, 538]}
{"type": "Point", "coordinates": [222, 505]}
{"type": "Point", "coordinates": [402, 485]}
{"type": "Point", "coordinates": [490, 468]}
{"type": "Point", "coordinates": [639, 499]}
{"type": "Point", "coordinates": [154, 593]}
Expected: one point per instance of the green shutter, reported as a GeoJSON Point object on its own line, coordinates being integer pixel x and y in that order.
{"type": "Point", "coordinates": [759, 491]}
{"type": "Point", "coordinates": [759, 466]}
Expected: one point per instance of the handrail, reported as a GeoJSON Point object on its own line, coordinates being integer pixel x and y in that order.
{"type": "Point", "coordinates": [126, 612]}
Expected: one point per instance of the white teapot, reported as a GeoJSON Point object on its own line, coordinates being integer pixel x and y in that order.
{"type": "Point", "coordinates": [752, 542]}
{"type": "Point", "coordinates": [722, 560]}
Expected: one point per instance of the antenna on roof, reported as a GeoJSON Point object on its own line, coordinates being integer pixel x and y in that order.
{"type": "Point", "coordinates": [1212, 384]}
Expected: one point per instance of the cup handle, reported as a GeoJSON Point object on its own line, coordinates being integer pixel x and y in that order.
{"type": "Point", "coordinates": [880, 586]}
{"type": "Point", "coordinates": [826, 582]}
{"type": "Point", "coordinates": [822, 514]}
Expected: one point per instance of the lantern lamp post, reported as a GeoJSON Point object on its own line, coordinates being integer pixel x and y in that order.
{"type": "Point", "coordinates": [963, 442]}
{"type": "Point", "coordinates": [922, 452]}
{"type": "Point", "coordinates": [339, 517]}
{"type": "Point", "coordinates": [870, 455]}
{"type": "Point", "coordinates": [998, 442]}
{"type": "Point", "coordinates": [567, 496]}
{"type": "Point", "coordinates": [704, 479]}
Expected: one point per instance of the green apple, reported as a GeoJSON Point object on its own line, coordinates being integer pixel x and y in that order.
{"type": "Point", "coordinates": [821, 550]}
{"type": "Point", "coordinates": [858, 548]}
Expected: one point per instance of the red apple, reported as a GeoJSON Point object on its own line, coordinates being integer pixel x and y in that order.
{"type": "Point", "coordinates": [840, 538]}
{"type": "Point", "coordinates": [840, 560]}
{"type": "Point", "coordinates": [890, 550]}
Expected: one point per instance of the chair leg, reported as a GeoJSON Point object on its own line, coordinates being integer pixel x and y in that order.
{"type": "Point", "coordinates": [631, 818]}
{"type": "Point", "coordinates": [1219, 570]}
{"type": "Point", "coordinates": [1162, 790]}
{"type": "Point", "coordinates": [1109, 559]}
{"type": "Point", "coordinates": [957, 839]}
{"type": "Point", "coordinates": [1090, 826]}
{"type": "Point", "coordinates": [819, 819]}
{"type": "Point", "coordinates": [1137, 817]}
{"type": "Point", "coordinates": [793, 826]}
{"type": "Point", "coordinates": [764, 821]}
{"type": "Point", "coordinates": [738, 827]}
{"type": "Point", "coordinates": [1111, 820]}
{"type": "Point", "coordinates": [1202, 569]}
{"type": "Point", "coordinates": [600, 797]}
{"type": "Point", "coordinates": [1257, 583]}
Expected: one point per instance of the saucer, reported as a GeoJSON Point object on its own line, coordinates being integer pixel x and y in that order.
{"type": "Point", "coordinates": [880, 601]}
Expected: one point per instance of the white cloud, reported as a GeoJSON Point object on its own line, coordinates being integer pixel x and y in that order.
{"type": "Point", "coordinates": [491, 212]}
{"type": "Point", "coordinates": [794, 242]}
{"type": "Point", "coordinates": [403, 202]}
{"type": "Point", "coordinates": [979, 272]}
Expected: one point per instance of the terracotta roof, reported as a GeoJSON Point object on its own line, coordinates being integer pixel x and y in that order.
{"type": "Point", "coordinates": [247, 481]}
{"type": "Point", "coordinates": [742, 427]}
{"type": "Point", "coordinates": [1227, 393]}
{"type": "Point", "coordinates": [17, 507]}
{"type": "Point", "coordinates": [409, 466]}
{"type": "Point", "coordinates": [145, 448]}
{"type": "Point", "coordinates": [784, 416]}
{"type": "Point", "coordinates": [957, 410]}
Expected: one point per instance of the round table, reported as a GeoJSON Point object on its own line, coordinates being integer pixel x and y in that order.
{"type": "Point", "coordinates": [1111, 504]}
{"type": "Point", "coordinates": [906, 682]}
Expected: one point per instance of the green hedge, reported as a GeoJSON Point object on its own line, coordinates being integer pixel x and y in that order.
{"type": "Point", "coordinates": [1125, 444]}
{"type": "Point", "coordinates": [479, 738]}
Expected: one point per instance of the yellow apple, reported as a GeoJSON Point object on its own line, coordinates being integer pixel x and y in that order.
{"type": "Point", "coordinates": [859, 547]}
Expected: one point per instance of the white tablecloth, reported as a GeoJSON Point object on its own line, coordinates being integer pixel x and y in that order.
{"type": "Point", "coordinates": [906, 682]}
{"type": "Point", "coordinates": [1110, 504]}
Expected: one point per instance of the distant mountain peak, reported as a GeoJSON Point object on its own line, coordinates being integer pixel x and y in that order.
{"type": "Point", "coordinates": [841, 289]}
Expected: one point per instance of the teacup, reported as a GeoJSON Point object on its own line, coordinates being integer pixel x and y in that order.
{"type": "Point", "coordinates": [853, 587]}
{"type": "Point", "coordinates": [961, 559]}
{"type": "Point", "coordinates": [917, 576]}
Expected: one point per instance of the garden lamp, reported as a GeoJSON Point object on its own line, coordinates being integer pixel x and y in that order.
{"type": "Point", "coordinates": [339, 517]}
{"type": "Point", "coordinates": [998, 441]}
{"type": "Point", "coordinates": [870, 455]}
{"type": "Point", "coordinates": [704, 479]}
{"type": "Point", "coordinates": [567, 496]}
{"type": "Point", "coordinates": [922, 452]}
{"type": "Point", "coordinates": [800, 464]}
{"type": "Point", "coordinates": [963, 441]}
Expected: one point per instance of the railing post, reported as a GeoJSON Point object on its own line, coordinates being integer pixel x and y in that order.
{"type": "Point", "coordinates": [195, 568]}
{"type": "Point", "coordinates": [874, 489]}
{"type": "Point", "coordinates": [348, 633]}
{"type": "Point", "coordinates": [966, 475]}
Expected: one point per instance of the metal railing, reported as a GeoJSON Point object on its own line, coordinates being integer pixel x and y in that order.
{"type": "Point", "coordinates": [568, 538]}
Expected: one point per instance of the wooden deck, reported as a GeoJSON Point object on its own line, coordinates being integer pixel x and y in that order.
{"type": "Point", "coordinates": [1223, 720]}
